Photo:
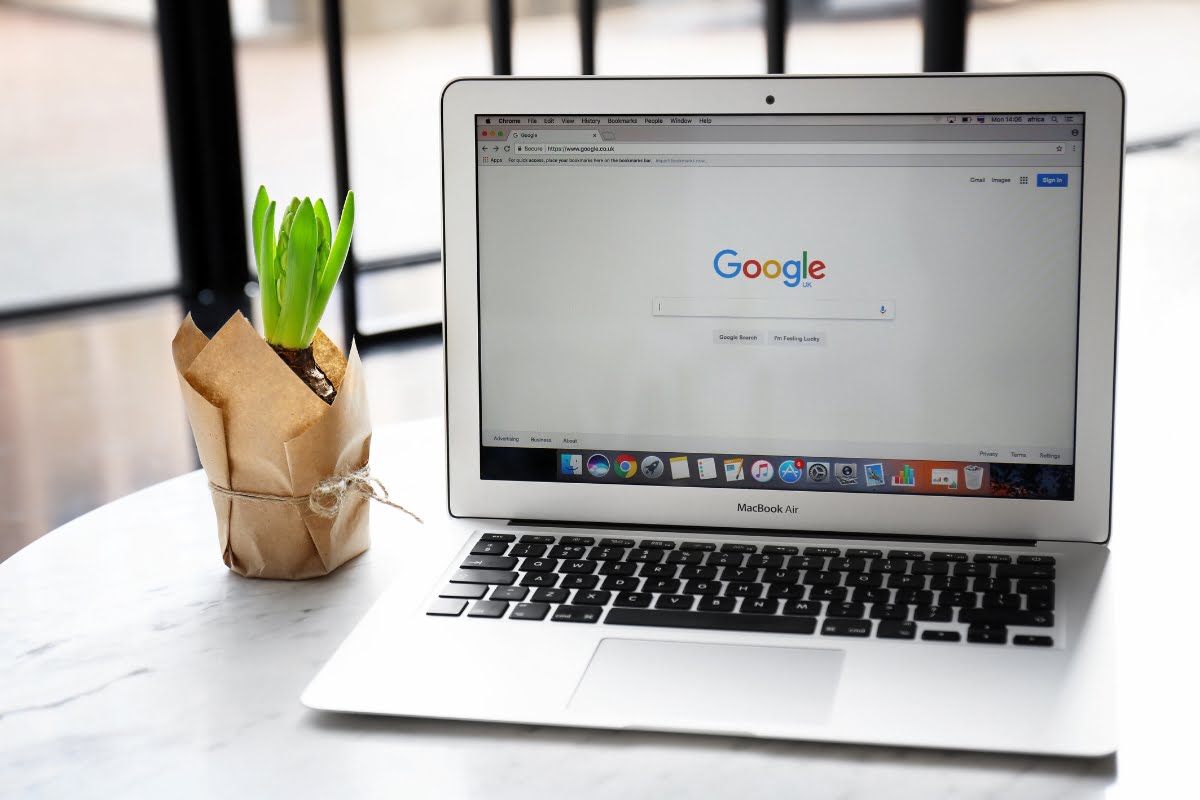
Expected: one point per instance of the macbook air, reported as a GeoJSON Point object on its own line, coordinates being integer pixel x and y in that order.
{"type": "Point", "coordinates": [776, 407]}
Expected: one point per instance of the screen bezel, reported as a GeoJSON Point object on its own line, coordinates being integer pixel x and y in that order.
{"type": "Point", "coordinates": [1086, 518]}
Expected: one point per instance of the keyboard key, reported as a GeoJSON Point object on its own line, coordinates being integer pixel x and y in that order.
{"type": "Point", "coordinates": [845, 627]}
{"type": "Point", "coordinates": [859, 552]}
{"type": "Point", "coordinates": [931, 568]}
{"type": "Point", "coordinates": [684, 557]}
{"type": "Point", "coordinates": [580, 581]}
{"type": "Point", "coordinates": [964, 599]}
{"type": "Point", "coordinates": [744, 590]}
{"type": "Point", "coordinates": [834, 594]}
{"type": "Point", "coordinates": [948, 583]}
{"type": "Point", "coordinates": [658, 570]}
{"type": "Point", "coordinates": [992, 558]}
{"type": "Point", "coordinates": [621, 583]}
{"type": "Point", "coordinates": [1031, 586]}
{"type": "Point", "coordinates": [698, 572]}
{"type": "Point", "coordinates": [764, 560]}
{"type": "Point", "coordinates": [466, 591]}
{"type": "Point", "coordinates": [1033, 641]}
{"type": "Point", "coordinates": [803, 608]}
{"type": "Point", "coordinates": [633, 600]}
{"type": "Point", "coordinates": [999, 600]}
{"type": "Point", "coordinates": [1006, 616]}
{"type": "Point", "coordinates": [806, 562]}
{"type": "Point", "coordinates": [540, 579]}
{"type": "Point", "coordinates": [488, 609]}
{"type": "Point", "coordinates": [577, 614]}
{"type": "Point", "coordinates": [527, 550]}
{"type": "Point", "coordinates": [550, 595]}
{"type": "Point", "coordinates": [934, 614]}
{"type": "Point", "coordinates": [640, 555]}
{"type": "Point", "coordinates": [866, 579]}
{"type": "Point", "coordinates": [489, 549]}
{"type": "Point", "coordinates": [492, 576]}
{"type": "Point", "coordinates": [780, 549]}
{"type": "Point", "coordinates": [539, 565]}
{"type": "Point", "coordinates": [737, 547]}
{"type": "Point", "coordinates": [662, 585]}
{"type": "Point", "coordinates": [534, 611]}
{"type": "Point", "coordinates": [815, 577]}
{"type": "Point", "coordinates": [587, 541]}
{"type": "Point", "coordinates": [1040, 601]}
{"type": "Point", "coordinates": [446, 607]}
{"type": "Point", "coordinates": [616, 542]}
{"type": "Point", "coordinates": [890, 629]}
{"type": "Point", "coordinates": [725, 559]}
{"type": "Point", "coordinates": [907, 555]}
{"type": "Point", "coordinates": [677, 602]}
{"type": "Point", "coordinates": [607, 553]}
{"type": "Point", "coordinates": [889, 565]}
{"type": "Point", "coordinates": [907, 581]}
{"type": "Point", "coordinates": [618, 568]}
{"type": "Point", "coordinates": [578, 567]}
{"type": "Point", "coordinates": [941, 636]}
{"type": "Point", "coordinates": [945, 556]}
{"type": "Point", "coordinates": [1001, 585]}
{"type": "Point", "coordinates": [743, 574]}
{"type": "Point", "coordinates": [847, 564]}
{"type": "Point", "coordinates": [489, 562]}
{"type": "Point", "coordinates": [1046, 561]}
{"type": "Point", "coordinates": [845, 610]}
{"type": "Point", "coordinates": [760, 606]}
{"type": "Point", "coordinates": [656, 544]}
{"type": "Point", "coordinates": [889, 611]}
{"type": "Point", "coordinates": [786, 591]}
{"type": "Point", "coordinates": [701, 547]}
{"type": "Point", "coordinates": [915, 597]}
{"type": "Point", "coordinates": [1025, 571]}
{"type": "Point", "coordinates": [509, 593]}
{"type": "Point", "coordinates": [591, 597]}
{"type": "Point", "coordinates": [702, 587]}
{"type": "Point", "coordinates": [824, 552]}
{"type": "Point", "coordinates": [533, 539]}
{"type": "Point", "coordinates": [981, 634]}
{"type": "Point", "coordinates": [498, 537]}
{"type": "Point", "coordinates": [721, 604]}
{"type": "Point", "coordinates": [973, 570]}
{"type": "Point", "coordinates": [781, 576]}
{"type": "Point", "coordinates": [756, 623]}
{"type": "Point", "coordinates": [567, 551]}
{"type": "Point", "coordinates": [867, 595]}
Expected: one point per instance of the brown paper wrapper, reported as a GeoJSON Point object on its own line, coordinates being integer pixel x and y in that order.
{"type": "Point", "coordinates": [259, 429]}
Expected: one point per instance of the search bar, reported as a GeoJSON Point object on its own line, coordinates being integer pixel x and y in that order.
{"type": "Point", "coordinates": [582, 145]}
{"type": "Point", "coordinates": [772, 308]}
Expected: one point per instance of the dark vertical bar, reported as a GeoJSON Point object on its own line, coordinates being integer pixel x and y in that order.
{"type": "Point", "coordinates": [500, 22]}
{"type": "Point", "coordinates": [776, 22]}
{"type": "Point", "coordinates": [587, 37]}
{"type": "Point", "coordinates": [944, 24]}
{"type": "Point", "coordinates": [196, 46]}
{"type": "Point", "coordinates": [332, 10]}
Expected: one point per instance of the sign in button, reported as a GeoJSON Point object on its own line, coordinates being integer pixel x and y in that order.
{"type": "Point", "coordinates": [1051, 179]}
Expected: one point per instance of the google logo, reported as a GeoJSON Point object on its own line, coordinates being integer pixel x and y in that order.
{"type": "Point", "coordinates": [792, 271]}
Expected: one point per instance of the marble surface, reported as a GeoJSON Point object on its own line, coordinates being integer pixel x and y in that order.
{"type": "Point", "coordinates": [133, 664]}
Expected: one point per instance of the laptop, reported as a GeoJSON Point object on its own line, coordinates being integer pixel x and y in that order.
{"type": "Point", "coordinates": [776, 407]}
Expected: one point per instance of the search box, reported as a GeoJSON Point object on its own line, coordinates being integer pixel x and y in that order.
{"type": "Point", "coordinates": [772, 308]}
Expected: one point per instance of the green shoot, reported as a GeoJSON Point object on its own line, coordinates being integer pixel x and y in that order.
{"type": "Point", "coordinates": [299, 266]}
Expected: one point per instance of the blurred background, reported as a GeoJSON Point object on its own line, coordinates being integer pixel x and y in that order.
{"type": "Point", "coordinates": [134, 134]}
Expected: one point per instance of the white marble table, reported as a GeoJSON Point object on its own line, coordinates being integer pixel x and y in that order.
{"type": "Point", "coordinates": [133, 664]}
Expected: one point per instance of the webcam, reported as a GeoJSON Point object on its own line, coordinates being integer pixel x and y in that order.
{"type": "Point", "coordinates": [770, 99]}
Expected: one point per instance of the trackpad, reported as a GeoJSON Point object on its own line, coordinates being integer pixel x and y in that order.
{"type": "Point", "coordinates": [726, 686]}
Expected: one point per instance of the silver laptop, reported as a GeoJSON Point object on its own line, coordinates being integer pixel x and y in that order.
{"type": "Point", "coordinates": [776, 407]}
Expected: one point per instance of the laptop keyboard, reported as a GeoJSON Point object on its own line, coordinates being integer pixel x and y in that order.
{"type": "Point", "coordinates": [826, 591]}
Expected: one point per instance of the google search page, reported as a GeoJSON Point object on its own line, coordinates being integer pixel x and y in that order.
{"type": "Point", "coordinates": [864, 292]}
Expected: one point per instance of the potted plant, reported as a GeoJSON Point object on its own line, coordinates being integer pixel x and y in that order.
{"type": "Point", "coordinates": [281, 423]}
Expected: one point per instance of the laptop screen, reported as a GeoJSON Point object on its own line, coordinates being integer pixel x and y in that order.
{"type": "Point", "coordinates": [867, 303]}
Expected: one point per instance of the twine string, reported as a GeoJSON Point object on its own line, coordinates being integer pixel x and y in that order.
{"type": "Point", "coordinates": [326, 498]}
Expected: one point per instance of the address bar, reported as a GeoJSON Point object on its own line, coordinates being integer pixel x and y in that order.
{"type": "Point", "coordinates": [792, 148]}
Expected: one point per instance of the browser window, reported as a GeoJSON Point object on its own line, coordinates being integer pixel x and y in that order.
{"type": "Point", "coordinates": [871, 303]}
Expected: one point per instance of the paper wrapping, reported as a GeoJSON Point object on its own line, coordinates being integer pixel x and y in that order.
{"type": "Point", "coordinates": [260, 429]}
